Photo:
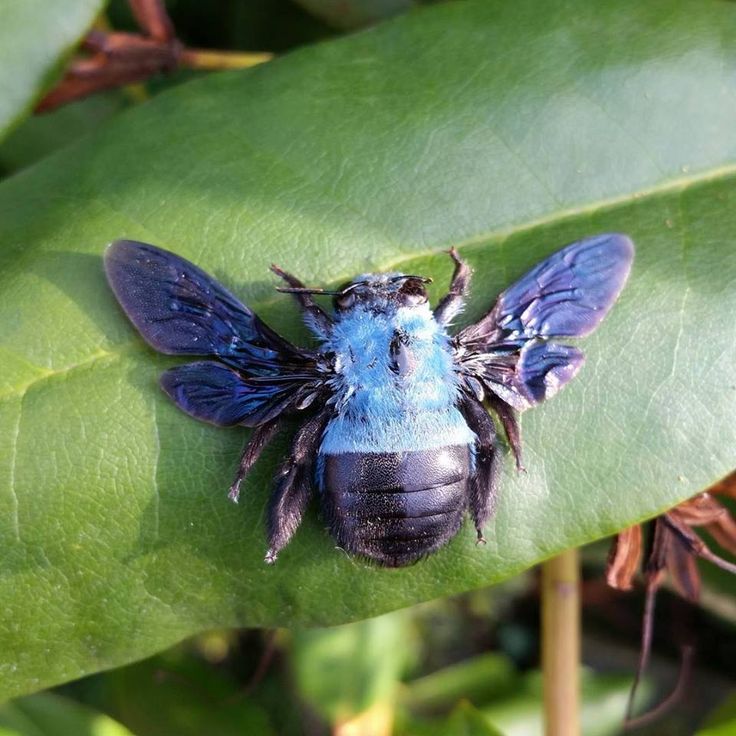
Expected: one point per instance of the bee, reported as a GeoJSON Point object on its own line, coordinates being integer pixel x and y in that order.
{"type": "Point", "coordinates": [397, 441]}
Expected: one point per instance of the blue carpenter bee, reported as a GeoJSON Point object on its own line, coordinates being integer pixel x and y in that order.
{"type": "Point", "coordinates": [398, 442]}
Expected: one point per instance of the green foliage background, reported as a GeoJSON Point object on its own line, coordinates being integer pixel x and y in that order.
{"type": "Point", "coordinates": [506, 129]}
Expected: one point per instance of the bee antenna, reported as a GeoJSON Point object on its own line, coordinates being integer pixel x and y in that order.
{"type": "Point", "coordinates": [306, 290]}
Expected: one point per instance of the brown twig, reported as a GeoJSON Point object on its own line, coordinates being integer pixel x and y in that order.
{"type": "Point", "coordinates": [116, 59]}
{"type": "Point", "coordinates": [673, 549]}
{"type": "Point", "coordinates": [646, 649]}
{"type": "Point", "coordinates": [653, 714]}
{"type": "Point", "coordinates": [152, 17]}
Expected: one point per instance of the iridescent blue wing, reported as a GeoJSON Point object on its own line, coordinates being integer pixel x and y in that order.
{"type": "Point", "coordinates": [181, 310]}
{"type": "Point", "coordinates": [215, 393]}
{"type": "Point", "coordinates": [511, 349]}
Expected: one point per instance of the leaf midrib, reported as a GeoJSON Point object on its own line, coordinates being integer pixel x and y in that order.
{"type": "Point", "coordinates": [495, 237]}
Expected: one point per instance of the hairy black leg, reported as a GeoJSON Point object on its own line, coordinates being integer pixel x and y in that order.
{"type": "Point", "coordinates": [294, 485]}
{"type": "Point", "coordinates": [483, 482]}
{"type": "Point", "coordinates": [259, 438]}
{"type": "Point", "coordinates": [510, 421]}
{"type": "Point", "coordinates": [316, 318]}
{"type": "Point", "coordinates": [452, 302]}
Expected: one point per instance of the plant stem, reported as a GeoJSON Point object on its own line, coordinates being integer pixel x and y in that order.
{"type": "Point", "coordinates": [561, 644]}
{"type": "Point", "coordinates": [214, 60]}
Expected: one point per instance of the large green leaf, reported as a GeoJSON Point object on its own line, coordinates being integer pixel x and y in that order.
{"type": "Point", "coordinates": [35, 35]}
{"type": "Point", "coordinates": [508, 129]}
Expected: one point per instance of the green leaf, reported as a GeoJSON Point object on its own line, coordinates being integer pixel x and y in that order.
{"type": "Point", "coordinates": [179, 694]}
{"type": "Point", "coordinates": [47, 714]}
{"type": "Point", "coordinates": [520, 712]}
{"type": "Point", "coordinates": [722, 722]}
{"type": "Point", "coordinates": [35, 37]}
{"type": "Point", "coordinates": [466, 720]}
{"type": "Point", "coordinates": [508, 129]}
{"type": "Point", "coordinates": [40, 135]}
{"type": "Point", "coordinates": [604, 699]}
{"type": "Point", "coordinates": [478, 679]}
{"type": "Point", "coordinates": [344, 671]}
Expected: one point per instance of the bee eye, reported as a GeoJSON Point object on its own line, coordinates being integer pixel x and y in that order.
{"type": "Point", "coordinates": [344, 301]}
{"type": "Point", "coordinates": [412, 293]}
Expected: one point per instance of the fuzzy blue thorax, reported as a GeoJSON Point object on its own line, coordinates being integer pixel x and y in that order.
{"type": "Point", "coordinates": [390, 404]}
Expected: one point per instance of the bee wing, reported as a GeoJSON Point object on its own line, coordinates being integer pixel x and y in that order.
{"type": "Point", "coordinates": [215, 393]}
{"type": "Point", "coordinates": [511, 349]}
{"type": "Point", "coordinates": [181, 310]}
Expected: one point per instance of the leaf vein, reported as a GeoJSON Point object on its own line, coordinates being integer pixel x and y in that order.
{"type": "Point", "coordinates": [13, 463]}
{"type": "Point", "coordinates": [154, 474]}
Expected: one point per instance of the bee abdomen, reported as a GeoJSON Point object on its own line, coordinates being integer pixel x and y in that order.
{"type": "Point", "coordinates": [395, 508]}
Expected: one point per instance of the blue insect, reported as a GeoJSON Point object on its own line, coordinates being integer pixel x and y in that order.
{"type": "Point", "coordinates": [397, 441]}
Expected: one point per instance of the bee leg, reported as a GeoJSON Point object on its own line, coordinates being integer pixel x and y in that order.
{"type": "Point", "coordinates": [452, 302]}
{"type": "Point", "coordinates": [510, 421]}
{"type": "Point", "coordinates": [314, 316]}
{"type": "Point", "coordinates": [260, 437]}
{"type": "Point", "coordinates": [293, 486]}
{"type": "Point", "coordinates": [483, 482]}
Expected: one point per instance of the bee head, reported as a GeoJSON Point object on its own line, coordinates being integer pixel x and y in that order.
{"type": "Point", "coordinates": [378, 292]}
{"type": "Point", "coordinates": [382, 292]}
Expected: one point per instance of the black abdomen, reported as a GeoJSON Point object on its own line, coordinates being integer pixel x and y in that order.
{"type": "Point", "coordinates": [395, 507]}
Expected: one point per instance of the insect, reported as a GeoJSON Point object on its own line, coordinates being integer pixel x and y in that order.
{"type": "Point", "coordinates": [397, 441]}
